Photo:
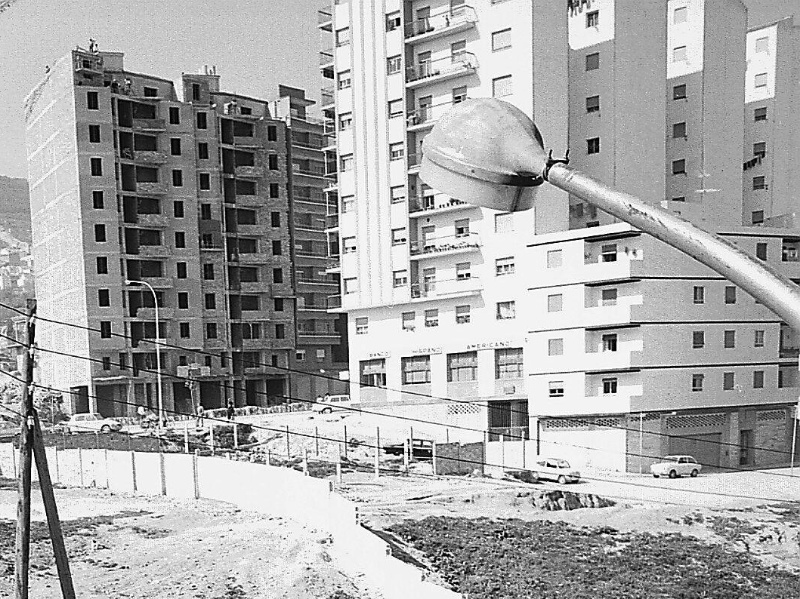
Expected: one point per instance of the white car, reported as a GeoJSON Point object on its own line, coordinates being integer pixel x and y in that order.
{"type": "Point", "coordinates": [676, 465]}
{"type": "Point", "coordinates": [332, 403]}
{"type": "Point", "coordinates": [90, 422]}
{"type": "Point", "coordinates": [554, 469]}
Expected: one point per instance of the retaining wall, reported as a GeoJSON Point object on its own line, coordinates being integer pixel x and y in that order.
{"type": "Point", "coordinates": [257, 487]}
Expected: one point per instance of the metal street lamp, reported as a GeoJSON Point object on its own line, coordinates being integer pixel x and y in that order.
{"type": "Point", "coordinates": [489, 153]}
{"type": "Point", "coordinates": [158, 350]}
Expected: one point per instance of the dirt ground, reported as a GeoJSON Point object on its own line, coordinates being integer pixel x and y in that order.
{"type": "Point", "coordinates": [137, 547]}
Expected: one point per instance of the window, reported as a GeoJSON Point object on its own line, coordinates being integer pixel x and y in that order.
{"type": "Point", "coordinates": [593, 104]}
{"type": "Point", "coordinates": [502, 86]}
{"type": "Point", "coordinates": [504, 266]}
{"type": "Point", "coordinates": [393, 65]}
{"type": "Point", "coordinates": [100, 233]}
{"type": "Point", "coordinates": [462, 314]}
{"type": "Point", "coordinates": [608, 252]}
{"type": "Point", "coordinates": [400, 278]}
{"type": "Point", "coordinates": [274, 190]}
{"type": "Point", "coordinates": [105, 329]}
{"type": "Point", "coordinates": [760, 149]}
{"type": "Point", "coordinates": [345, 121]}
{"type": "Point", "coordinates": [699, 294]}
{"type": "Point", "coordinates": [106, 363]}
{"type": "Point", "coordinates": [459, 94]}
{"type": "Point", "coordinates": [342, 36]}
{"type": "Point", "coordinates": [508, 363]}
{"type": "Point", "coordinates": [501, 40]}
{"type": "Point", "coordinates": [555, 302]}
{"type": "Point", "coordinates": [348, 204]}
{"type": "Point", "coordinates": [395, 108]}
{"type": "Point", "coordinates": [462, 227]}
{"type": "Point", "coordinates": [680, 15]}
{"type": "Point", "coordinates": [556, 388]}
{"type": "Point", "coordinates": [758, 338]}
{"type": "Point", "coordinates": [730, 294]}
{"type": "Point", "coordinates": [762, 45]}
{"type": "Point", "coordinates": [416, 370]}
{"type": "Point", "coordinates": [761, 80]}
{"type": "Point", "coordinates": [398, 236]}
{"type": "Point", "coordinates": [373, 373]}
{"type": "Point", "coordinates": [432, 318]}
{"type": "Point", "coordinates": [758, 379]}
{"type": "Point", "coordinates": [92, 101]}
{"type": "Point", "coordinates": [679, 130]}
{"type": "Point", "coordinates": [272, 162]}
{"type": "Point", "coordinates": [180, 239]}
{"type": "Point", "coordinates": [277, 249]}
{"type": "Point", "coordinates": [348, 245]}
{"type": "Point", "coordinates": [174, 115]}
{"type": "Point", "coordinates": [593, 145]}
{"type": "Point", "coordinates": [208, 272]}
{"type": "Point", "coordinates": [182, 271]}
{"type": "Point", "coordinates": [211, 330]}
{"type": "Point", "coordinates": [728, 381]}
{"type": "Point", "coordinates": [98, 200]}
{"type": "Point", "coordinates": [177, 178]}
{"type": "Point", "coordinates": [350, 285]}
{"type": "Point", "coordinates": [202, 151]}
{"type": "Point", "coordinates": [609, 342]}
{"type": "Point", "coordinates": [506, 310]}
{"type": "Point", "coordinates": [679, 54]}
{"type": "Point", "coordinates": [554, 258]}
{"type": "Point", "coordinates": [94, 134]}
{"type": "Point", "coordinates": [462, 367]}
{"type": "Point", "coordinates": [277, 275]}
{"type": "Point", "coordinates": [175, 146]}
{"type": "Point", "coordinates": [102, 265]}
{"type": "Point", "coordinates": [392, 21]}
{"type": "Point", "coordinates": [277, 304]}
{"type": "Point", "coordinates": [679, 167]}
{"type": "Point", "coordinates": [608, 297]}
{"type": "Point", "coordinates": [679, 199]}
{"type": "Point", "coordinates": [761, 251]}
{"type": "Point", "coordinates": [346, 163]}
{"type": "Point", "coordinates": [592, 18]}
{"type": "Point", "coordinates": [698, 339]}
{"type": "Point", "coordinates": [398, 194]}
{"type": "Point", "coordinates": [183, 300]}
{"type": "Point", "coordinates": [96, 167]}
{"type": "Point", "coordinates": [210, 301]}
{"type": "Point", "coordinates": [195, 91]}
{"type": "Point", "coordinates": [760, 114]}
{"type": "Point", "coordinates": [408, 319]}
{"type": "Point", "coordinates": [555, 347]}
{"type": "Point", "coordinates": [103, 298]}
{"type": "Point", "coordinates": [679, 92]}
{"type": "Point", "coordinates": [697, 382]}
{"type": "Point", "coordinates": [343, 80]}
{"type": "Point", "coordinates": [202, 120]}
{"type": "Point", "coordinates": [396, 151]}
{"type": "Point", "coordinates": [205, 211]}
{"type": "Point", "coordinates": [593, 61]}
{"type": "Point", "coordinates": [275, 219]}
{"type": "Point", "coordinates": [300, 355]}
{"type": "Point", "coordinates": [123, 361]}
{"type": "Point", "coordinates": [609, 386]}
{"type": "Point", "coordinates": [280, 331]}
{"type": "Point", "coordinates": [463, 271]}
{"type": "Point", "coordinates": [729, 339]}
{"type": "Point", "coordinates": [504, 222]}
{"type": "Point", "coordinates": [759, 182]}
{"type": "Point", "coordinates": [362, 325]}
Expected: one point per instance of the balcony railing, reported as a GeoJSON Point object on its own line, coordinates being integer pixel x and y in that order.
{"type": "Point", "coordinates": [452, 19]}
{"type": "Point", "coordinates": [433, 202]}
{"type": "Point", "coordinates": [414, 160]}
{"type": "Point", "coordinates": [150, 188]}
{"type": "Point", "coordinates": [789, 352]}
{"type": "Point", "coordinates": [249, 172]}
{"type": "Point", "coordinates": [149, 124]}
{"type": "Point", "coordinates": [466, 241]}
{"type": "Point", "coordinates": [334, 302]}
{"type": "Point", "coordinates": [325, 18]}
{"type": "Point", "coordinates": [150, 313]}
{"type": "Point", "coordinates": [326, 57]}
{"type": "Point", "coordinates": [463, 286]}
{"type": "Point", "coordinates": [89, 62]}
{"type": "Point", "coordinates": [159, 282]}
{"type": "Point", "coordinates": [508, 433]}
{"type": "Point", "coordinates": [144, 156]}
{"type": "Point", "coordinates": [331, 221]}
{"type": "Point", "coordinates": [333, 262]}
{"type": "Point", "coordinates": [460, 63]}
{"type": "Point", "coordinates": [303, 333]}
{"type": "Point", "coordinates": [326, 96]}
{"type": "Point", "coordinates": [315, 170]}
{"type": "Point", "coordinates": [154, 251]}
{"type": "Point", "coordinates": [153, 220]}
{"type": "Point", "coordinates": [426, 116]}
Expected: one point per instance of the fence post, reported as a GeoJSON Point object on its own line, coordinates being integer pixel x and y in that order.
{"type": "Point", "coordinates": [433, 457]}
{"type": "Point", "coordinates": [195, 476]}
{"type": "Point", "coordinates": [269, 457]}
{"type": "Point", "coordinates": [524, 444]}
{"type": "Point", "coordinates": [14, 458]}
{"type": "Point", "coordinates": [186, 436]}
{"type": "Point", "coordinates": [502, 452]}
{"type": "Point", "coordinates": [108, 483]}
{"type": "Point", "coordinates": [339, 469]}
{"type": "Point", "coordinates": [316, 441]}
{"type": "Point", "coordinates": [288, 447]}
{"type": "Point", "coordinates": [80, 464]}
{"type": "Point", "coordinates": [405, 455]}
{"type": "Point", "coordinates": [235, 436]}
{"type": "Point", "coordinates": [305, 463]}
{"type": "Point", "coordinates": [447, 435]}
{"type": "Point", "coordinates": [345, 441]}
{"type": "Point", "coordinates": [163, 473]}
{"type": "Point", "coordinates": [58, 477]}
{"type": "Point", "coordinates": [96, 440]}
{"type": "Point", "coordinates": [133, 470]}
{"type": "Point", "coordinates": [211, 437]}
{"type": "Point", "coordinates": [377, 452]}
{"type": "Point", "coordinates": [129, 442]}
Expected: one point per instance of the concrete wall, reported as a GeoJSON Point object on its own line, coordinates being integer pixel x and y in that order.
{"type": "Point", "coordinates": [265, 489]}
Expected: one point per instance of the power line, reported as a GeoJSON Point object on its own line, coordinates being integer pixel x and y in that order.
{"type": "Point", "coordinates": [486, 404]}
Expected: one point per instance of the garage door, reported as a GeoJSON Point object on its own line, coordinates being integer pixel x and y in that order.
{"type": "Point", "coordinates": [705, 448]}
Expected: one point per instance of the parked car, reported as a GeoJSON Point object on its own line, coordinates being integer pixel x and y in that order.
{"type": "Point", "coordinates": [420, 448]}
{"type": "Point", "coordinates": [90, 422]}
{"type": "Point", "coordinates": [554, 469]}
{"type": "Point", "coordinates": [676, 465]}
{"type": "Point", "coordinates": [332, 403]}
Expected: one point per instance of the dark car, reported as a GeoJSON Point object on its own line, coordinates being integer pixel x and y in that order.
{"type": "Point", "coordinates": [421, 448]}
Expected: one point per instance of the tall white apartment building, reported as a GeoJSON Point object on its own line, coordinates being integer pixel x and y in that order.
{"type": "Point", "coordinates": [772, 101]}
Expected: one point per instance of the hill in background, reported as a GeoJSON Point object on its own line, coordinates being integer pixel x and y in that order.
{"type": "Point", "coordinates": [15, 208]}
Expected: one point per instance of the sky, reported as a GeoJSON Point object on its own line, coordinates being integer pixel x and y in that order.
{"type": "Point", "coordinates": [255, 45]}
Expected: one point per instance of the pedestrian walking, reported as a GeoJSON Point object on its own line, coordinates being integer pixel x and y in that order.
{"type": "Point", "coordinates": [199, 415]}
{"type": "Point", "coordinates": [230, 409]}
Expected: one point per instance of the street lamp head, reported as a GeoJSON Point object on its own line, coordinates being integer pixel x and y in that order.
{"type": "Point", "coordinates": [129, 282]}
{"type": "Point", "coordinates": [486, 152]}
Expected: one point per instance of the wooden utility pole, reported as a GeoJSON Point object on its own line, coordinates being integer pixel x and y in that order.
{"type": "Point", "coordinates": [32, 445]}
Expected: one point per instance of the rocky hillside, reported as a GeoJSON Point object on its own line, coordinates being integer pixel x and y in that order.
{"type": "Point", "coordinates": [15, 210]}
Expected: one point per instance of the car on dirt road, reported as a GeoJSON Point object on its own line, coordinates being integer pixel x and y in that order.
{"type": "Point", "coordinates": [675, 466]}
{"type": "Point", "coordinates": [555, 469]}
{"type": "Point", "coordinates": [332, 403]}
{"type": "Point", "coordinates": [420, 448]}
{"type": "Point", "coordinates": [91, 422]}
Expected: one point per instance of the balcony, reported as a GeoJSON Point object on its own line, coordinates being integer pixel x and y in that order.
{"type": "Point", "coordinates": [316, 281]}
{"type": "Point", "coordinates": [154, 251]}
{"type": "Point", "coordinates": [468, 242]}
{"type": "Point", "coordinates": [243, 141]}
{"type": "Point", "coordinates": [150, 313]}
{"type": "Point", "coordinates": [143, 156]}
{"type": "Point", "coordinates": [413, 162]}
{"type": "Point", "coordinates": [331, 222]}
{"type": "Point", "coordinates": [154, 221]}
{"type": "Point", "coordinates": [323, 307]}
{"type": "Point", "coordinates": [249, 172]}
{"type": "Point", "coordinates": [249, 201]}
{"type": "Point", "coordinates": [88, 63]}
{"type": "Point", "coordinates": [508, 433]}
{"type": "Point", "coordinates": [150, 188]}
{"type": "Point", "coordinates": [789, 352]}
{"type": "Point", "coordinates": [435, 204]}
{"type": "Point", "coordinates": [333, 263]}
{"type": "Point", "coordinates": [325, 19]}
{"type": "Point", "coordinates": [450, 21]}
{"type": "Point", "coordinates": [149, 124]}
{"type": "Point", "coordinates": [326, 58]}
{"type": "Point", "coordinates": [442, 289]}
{"type": "Point", "coordinates": [457, 65]}
{"type": "Point", "coordinates": [159, 282]}
{"type": "Point", "coordinates": [250, 230]}
{"type": "Point", "coordinates": [334, 302]}
{"type": "Point", "coordinates": [319, 336]}
{"type": "Point", "coordinates": [327, 97]}
{"type": "Point", "coordinates": [249, 258]}
{"type": "Point", "coordinates": [425, 117]}
{"type": "Point", "coordinates": [312, 170]}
